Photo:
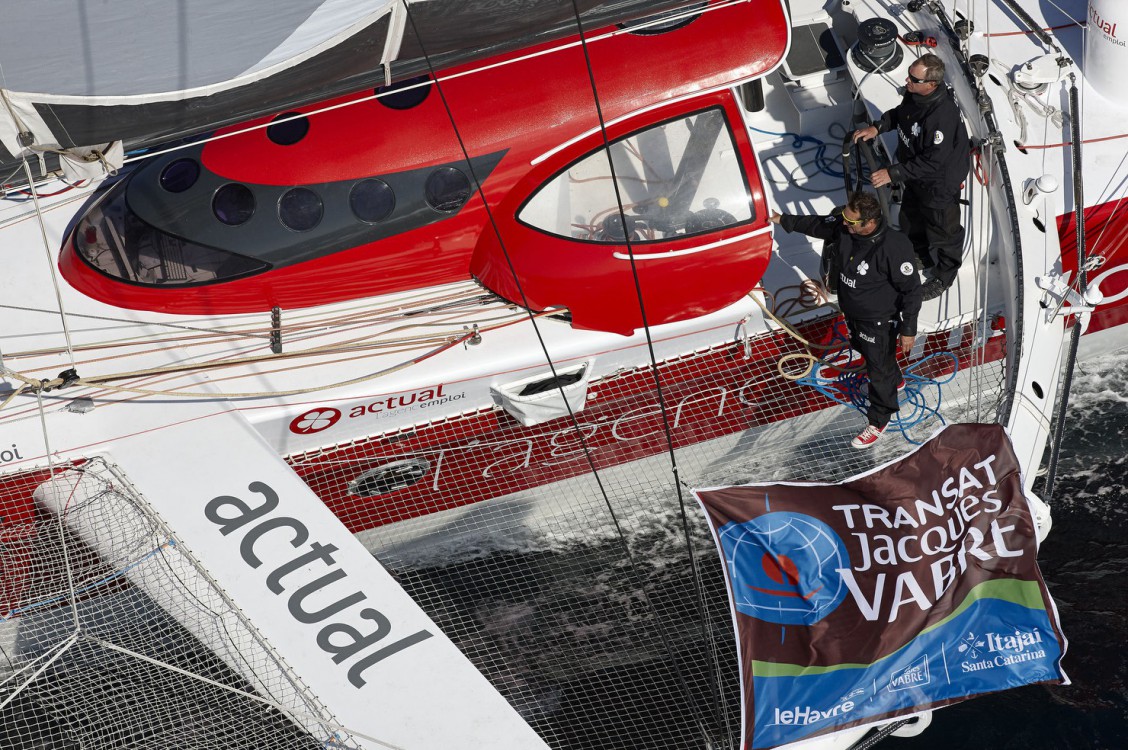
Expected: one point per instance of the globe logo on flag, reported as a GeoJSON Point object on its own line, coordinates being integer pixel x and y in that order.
{"type": "Point", "coordinates": [783, 567]}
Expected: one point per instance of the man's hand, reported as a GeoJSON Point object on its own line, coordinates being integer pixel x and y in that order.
{"type": "Point", "coordinates": [775, 217]}
{"type": "Point", "coordinates": [907, 344]}
{"type": "Point", "coordinates": [880, 178]}
{"type": "Point", "coordinates": [865, 134]}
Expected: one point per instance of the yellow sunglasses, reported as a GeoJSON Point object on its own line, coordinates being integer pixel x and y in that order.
{"type": "Point", "coordinates": [851, 222]}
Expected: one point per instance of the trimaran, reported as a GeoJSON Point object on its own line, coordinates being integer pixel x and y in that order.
{"type": "Point", "coordinates": [358, 363]}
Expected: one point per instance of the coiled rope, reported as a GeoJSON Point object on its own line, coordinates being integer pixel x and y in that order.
{"type": "Point", "coordinates": [850, 389]}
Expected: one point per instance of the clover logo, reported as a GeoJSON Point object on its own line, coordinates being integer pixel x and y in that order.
{"type": "Point", "coordinates": [862, 268]}
{"type": "Point", "coordinates": [315, 420]}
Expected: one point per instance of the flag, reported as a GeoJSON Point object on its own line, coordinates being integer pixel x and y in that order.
{"type": "Point", "coordinates": [909, 587]}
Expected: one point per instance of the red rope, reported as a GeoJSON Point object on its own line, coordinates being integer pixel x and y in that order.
{"type": "Point", "coordinates": [1070, 143]}
{"type": "Point", "coordinates": [1028, 31]}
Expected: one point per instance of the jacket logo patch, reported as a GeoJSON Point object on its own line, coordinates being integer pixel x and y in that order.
{"type": "Point", "coordinates": [862, 268]}
{"type": "Point", "coordinates": [830, 219]}
{"type": "Point", "coordinates": [907, 269]}
{"type": "Point", "coordinates": [915, 129]}
{"type": "Point", "coordinates": [938, 138]}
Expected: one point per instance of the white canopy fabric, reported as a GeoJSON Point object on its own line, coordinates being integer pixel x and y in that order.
{"type": "Point", "coordinates": [59, 54]}
{"type": "Point", "coordinates": [139, 47]}
{"type": "Point", "coordinates": [84, 73]}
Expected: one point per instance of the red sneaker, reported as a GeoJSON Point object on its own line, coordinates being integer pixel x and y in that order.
{"type": "Point", "coordinates": [867, 437]}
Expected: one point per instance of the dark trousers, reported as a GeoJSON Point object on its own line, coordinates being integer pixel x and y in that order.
{"type": "Point", "coordinates": [934, 230]}
{"type": "Point", "coordinates": [877, 342]}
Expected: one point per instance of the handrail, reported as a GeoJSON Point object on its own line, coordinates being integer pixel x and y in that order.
{"type": "Point", "coordinates": [1016, 326]}
{"type": "Point", "coordinates": [619, 255]}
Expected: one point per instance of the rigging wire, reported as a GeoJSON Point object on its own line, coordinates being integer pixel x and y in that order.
{"type": "Point", "coordinates": [315, 321]}
{"type": "Point", "coordinates": [144, 153]}
{"type": "Point", "coordinates": [50, 263]}
{"type": "Point", "coordinates": [38, 386]}
{"type": "Point", "coordinates": [677, 483]}
{"type": "Point", "coordinates": [571, 414]}
{"type": "Point", "coordinates": [368, 343]}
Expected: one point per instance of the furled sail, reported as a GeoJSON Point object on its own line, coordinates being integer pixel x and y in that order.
{"type": "Point", "coordinates": [140, 71]}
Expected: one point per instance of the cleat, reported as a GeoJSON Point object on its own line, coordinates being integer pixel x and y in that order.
{"type": "Point", "coordinates": [867, 437]}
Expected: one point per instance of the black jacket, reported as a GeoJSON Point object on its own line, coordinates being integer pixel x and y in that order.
{"type": "Point", "coordinates": [877, 279]}
{"type": "Point", "coordinates": [933, 151]}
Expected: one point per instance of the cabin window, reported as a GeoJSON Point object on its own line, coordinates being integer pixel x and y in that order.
{"type": "Point", "coordinates": [680, 178]}
{"type": "Point", "coordinates": [372, 200]}
{"type": "Point", "coordinates": [287, 129]}
{"type": "Point", "coordinates": [180, 175]}
{"type": "Point", "coordinates": [447, 189]}
{"type": "Point", "coordinates": [404, 94]}
{"type": "Point", "coordinates": [115, 241]}
{"type": "Point", "coordinates": [300, 209]}
{"type": "Point", "coordinates": [233, 204]}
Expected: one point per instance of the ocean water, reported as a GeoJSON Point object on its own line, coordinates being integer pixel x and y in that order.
{"type": "Point", "coordinates": [1085, 563]}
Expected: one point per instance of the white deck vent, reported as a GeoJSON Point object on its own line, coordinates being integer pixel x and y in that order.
{"type": "Point", "coordinates": [543, 397]}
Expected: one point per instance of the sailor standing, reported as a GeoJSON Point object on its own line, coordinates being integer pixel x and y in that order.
{"type": "Point", "coordinates": [933, 158]}
{"type": "Point", "coordinates": [879, 292]}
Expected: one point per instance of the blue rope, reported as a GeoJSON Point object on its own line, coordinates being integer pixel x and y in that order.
{"type": "Point", "coordinates": [823, 164]}
{"type": "Point", "coordinates": [65, 597]}
{"type": "Point", "coordinates": [850, 389]}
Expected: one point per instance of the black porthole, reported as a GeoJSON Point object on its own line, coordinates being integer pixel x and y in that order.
{"type": "Point", "coordinates": [180, 175]}
{"type": "Point", "coordinates": [404, 94]}
{"type": "Point", "coordinates": [447, 189]}
{"type": "Point", "coordinates": [390, 477]}
{"type": "Point", "coordinates": [661, 23]}
{"type": "Point", "coordinates": [287, 129]}
{"type": "Point", "coordinates": [300, 209]}
{"type": "Point", "coordinates": [372, 200]}
{"type": "Point", "coordinates": [233, 204]}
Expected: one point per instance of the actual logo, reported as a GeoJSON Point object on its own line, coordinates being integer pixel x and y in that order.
{"type": "Point", "coordinates": [315, 420]}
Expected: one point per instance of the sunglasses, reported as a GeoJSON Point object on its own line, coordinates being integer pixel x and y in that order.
{"type": "Point", "coordinates": [914, 79]}
{"type": "Point", "coordinates": [852, 222]}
